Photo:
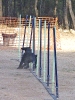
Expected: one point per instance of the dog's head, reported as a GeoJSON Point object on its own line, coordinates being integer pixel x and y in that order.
{"type": "Point", "coordinates": [27, 49]}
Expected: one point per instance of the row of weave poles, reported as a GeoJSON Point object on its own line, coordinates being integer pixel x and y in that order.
{"type": "Point", "coordinates": [43, 72]}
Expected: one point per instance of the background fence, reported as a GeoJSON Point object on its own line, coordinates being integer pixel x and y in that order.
{"type": "Point", "coordinates": [13, 25]}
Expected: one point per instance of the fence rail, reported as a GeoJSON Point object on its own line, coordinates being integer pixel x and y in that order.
{"type": "Point", "coordinates": [14, 21]}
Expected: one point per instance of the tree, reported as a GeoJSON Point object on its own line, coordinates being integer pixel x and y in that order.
{"type": "Point", "coordinates": [67, 10]}
{"type": "Point", "coordinates": [66, 14]}
{"type": "Point", "coordinates": [14, 8]}
{"type": "Point", "coordinates": [6, 7]}
{"type": "Point", "coordinates": [71, 12]}
{"type": "Point", "coordinates": [10, 12]}
{"type": "Point", "coordinates": [55, 9]}
{"type": "Point", "coordinates": [0, 8]}
{"type": "Point", "coordinates": [36, 10]}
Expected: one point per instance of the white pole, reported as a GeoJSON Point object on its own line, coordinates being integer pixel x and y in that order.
{"type": "Point", "coordinates": [19, 33]}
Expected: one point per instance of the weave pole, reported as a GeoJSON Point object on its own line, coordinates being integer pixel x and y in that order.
{"type": "Point", "coordinates": [53, 69]}
{"type": "Point", "coordinates": [48, 56]}
{"type": "Point", "coordinates": [29, 30]}
{"type": "Point", "coordinates": [24, 32]}
{"type": "Point", "coordinates": [38, 55]}
{"type": "Point", "coordinates": [29, 24]}
{"type": "Point", "coordinates": [53, 74]}
{"type": "Point", "coordinates": [31, 36]}
{"type": "Point", "coordinates": [19, 37]}
{"type": "Point", "coordinates": [40, 68]}
{"type": "Point", "coordinates": [55, 59]}
{"type": "Point", "coordinates": [33, 27]}
{"type": "Point", "coordinates": [44, 70]}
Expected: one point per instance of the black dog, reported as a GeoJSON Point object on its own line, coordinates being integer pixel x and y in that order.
{"type": "Point", "coordinates": [27, 49]}
{"type": "Point", "coordinates": [27, 58]}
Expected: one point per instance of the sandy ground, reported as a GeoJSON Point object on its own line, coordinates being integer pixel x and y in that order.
{"type": "Point", "coordinates": [18, 84]}
{"type": "Point", "coordinates": [22, 85]}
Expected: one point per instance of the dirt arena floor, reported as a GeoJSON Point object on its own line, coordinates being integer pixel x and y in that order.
{"type": "Point", "coordinates": [22, 85]}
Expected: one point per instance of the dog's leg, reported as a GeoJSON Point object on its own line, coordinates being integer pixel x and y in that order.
{"type": "Point", "coordinates": [26, 65]}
